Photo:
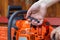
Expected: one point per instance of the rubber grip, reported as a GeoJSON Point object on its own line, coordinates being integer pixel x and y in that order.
{"type": "Point", "coordinates": [31, 18]}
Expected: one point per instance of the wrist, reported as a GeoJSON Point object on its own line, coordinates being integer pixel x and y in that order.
{"type": "Point", "coordinates": [42, 3]}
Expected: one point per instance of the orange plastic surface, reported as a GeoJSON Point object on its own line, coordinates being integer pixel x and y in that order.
{"type": "Point", "coordinates": [4, 33]}
{"type": "Point", "coordinates": [26, 31]}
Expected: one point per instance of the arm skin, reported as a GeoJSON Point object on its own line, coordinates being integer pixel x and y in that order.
{"type": "Point", "coordinates": [48, 3]}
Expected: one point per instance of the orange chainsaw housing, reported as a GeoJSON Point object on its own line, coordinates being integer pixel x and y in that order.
{"type": "Point", "coordinates": [26, 32]}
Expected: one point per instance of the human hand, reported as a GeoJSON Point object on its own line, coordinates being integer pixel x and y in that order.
{"type": "Point", "coordinates": [37, 12]}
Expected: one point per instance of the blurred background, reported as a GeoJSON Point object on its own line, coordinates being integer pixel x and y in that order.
{"type": "Point", "coordinates": [52, 12]}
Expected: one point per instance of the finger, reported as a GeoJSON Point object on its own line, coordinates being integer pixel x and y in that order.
{"type": "Point", "coordinates": [34, 22]}
{"type": "Point", "coordinates": [39, 23]}
{"type": "Point", "coordinates": [29, 20]}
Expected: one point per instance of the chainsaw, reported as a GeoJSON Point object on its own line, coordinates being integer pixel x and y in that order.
{"type": "Point", "coordinates": [25, 30]}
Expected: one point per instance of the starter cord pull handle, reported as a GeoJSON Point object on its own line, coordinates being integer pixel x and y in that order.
{"type": "Point", "coordinates": [31, 18]}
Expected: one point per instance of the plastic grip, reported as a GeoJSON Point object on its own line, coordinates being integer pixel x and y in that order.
{"type": "Point", "coordinates": [31, 18]}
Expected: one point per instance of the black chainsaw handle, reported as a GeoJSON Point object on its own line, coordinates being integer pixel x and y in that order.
{"type": "Point", "coordinates": [31, 18]}
{"type": "Point", "coordinates": [11, 19]}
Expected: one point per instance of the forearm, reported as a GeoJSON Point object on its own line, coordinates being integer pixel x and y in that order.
{"type": "Point", "coordinates": [48, 3]}
{"type": "Point", "coordinates": [52, 2]}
